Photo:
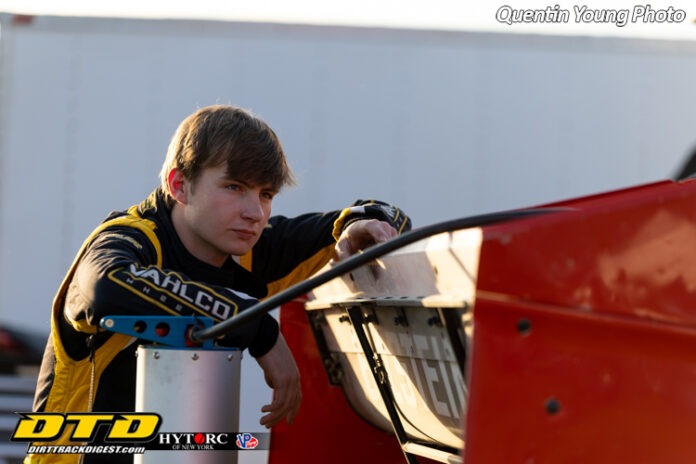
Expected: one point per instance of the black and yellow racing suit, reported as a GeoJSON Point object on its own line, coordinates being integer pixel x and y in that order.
{"type": "Point", "coordinates": [134, 263]}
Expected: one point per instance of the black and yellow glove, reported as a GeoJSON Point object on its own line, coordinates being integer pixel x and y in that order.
{"type": "Point", "coordinates": [372, 209]}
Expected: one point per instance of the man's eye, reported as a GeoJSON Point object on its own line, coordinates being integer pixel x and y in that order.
{"type": "Point", "coordinates": [233, 187]}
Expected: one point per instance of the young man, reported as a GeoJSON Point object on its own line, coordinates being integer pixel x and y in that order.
{"type": "Point", "coordinates": [207, 229]}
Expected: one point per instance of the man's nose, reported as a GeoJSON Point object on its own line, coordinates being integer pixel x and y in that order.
{"type": "Point", "coordinates": [252, 210]}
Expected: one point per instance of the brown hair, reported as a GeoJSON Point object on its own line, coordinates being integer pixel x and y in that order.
{"type": "Point", "coordinates": [226, 134]}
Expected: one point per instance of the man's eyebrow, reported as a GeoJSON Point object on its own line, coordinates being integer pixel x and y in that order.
{"type": "Point", "coordinates": [234, 179]}
{"type": "Point", "coordinates": [226, 178]}
{"type": "Point", "coordinates": [268, 186]}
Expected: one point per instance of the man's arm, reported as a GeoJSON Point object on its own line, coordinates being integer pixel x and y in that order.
{"type": "Point", "coordinates": [117, 275]}
{"type": "Point", "coordinates": [356, 233]}
{"type": "Point", "coordinates": [283, 376]}
{"type": "Point", "coordinates": [292, 249]}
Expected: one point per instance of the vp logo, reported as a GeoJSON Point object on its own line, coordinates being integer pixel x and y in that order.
{"type": "Point", "coordinates": [246, 441]}
{"type": "Point", "coordinates": [40, 427]}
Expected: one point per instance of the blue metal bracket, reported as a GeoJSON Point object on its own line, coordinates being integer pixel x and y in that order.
{"type": "Point", "coordinates": [165, 330]}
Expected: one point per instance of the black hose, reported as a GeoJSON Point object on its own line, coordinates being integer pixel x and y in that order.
{"type": "Point", "coordinates": [358, 260]}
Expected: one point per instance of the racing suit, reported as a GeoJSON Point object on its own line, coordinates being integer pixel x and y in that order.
{"type": "Point", "coordinates": [135, 264]}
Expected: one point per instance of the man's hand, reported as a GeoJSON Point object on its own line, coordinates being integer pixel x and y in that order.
{"type": "Point", "coordinates": [362, 234]}
{"type": "Point", "coordinates": [283, 377]}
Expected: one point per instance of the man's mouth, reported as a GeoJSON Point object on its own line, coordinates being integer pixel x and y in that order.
{"type": "Point", "coordinates": [244, 234]}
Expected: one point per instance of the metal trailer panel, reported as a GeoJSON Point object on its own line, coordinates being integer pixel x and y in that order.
{"type": "Point", "coordinates": [444, 124]}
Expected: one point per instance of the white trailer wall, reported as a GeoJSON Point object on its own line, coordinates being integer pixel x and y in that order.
{"type": "Point", "coordinates": [445, 124]}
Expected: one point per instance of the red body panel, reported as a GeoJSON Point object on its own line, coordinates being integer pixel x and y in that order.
{"type": "Point", "coordinates": [584, 343]}
{"type": "Point", "coordinates": [326, 430]}
{"type": "Point", "coordinates": [585, 333]}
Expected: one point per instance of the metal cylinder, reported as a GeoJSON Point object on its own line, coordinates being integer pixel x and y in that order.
{"type": "Point", "coordinates": [195, 391]}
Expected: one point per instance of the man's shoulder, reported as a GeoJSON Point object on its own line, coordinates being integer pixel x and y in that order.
{"type": "Point", "coordinates": [137, 225]}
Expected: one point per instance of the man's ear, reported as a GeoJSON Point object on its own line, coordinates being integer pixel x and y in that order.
{"type": "Point", "coordinates": [177, 185]}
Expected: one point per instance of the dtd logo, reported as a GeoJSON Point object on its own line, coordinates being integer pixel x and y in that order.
{"type": "Point", "coordinates": [41, 427]}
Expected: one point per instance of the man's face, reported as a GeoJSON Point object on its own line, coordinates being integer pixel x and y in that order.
{"type": "Point", "coordinates": [217, 216]}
